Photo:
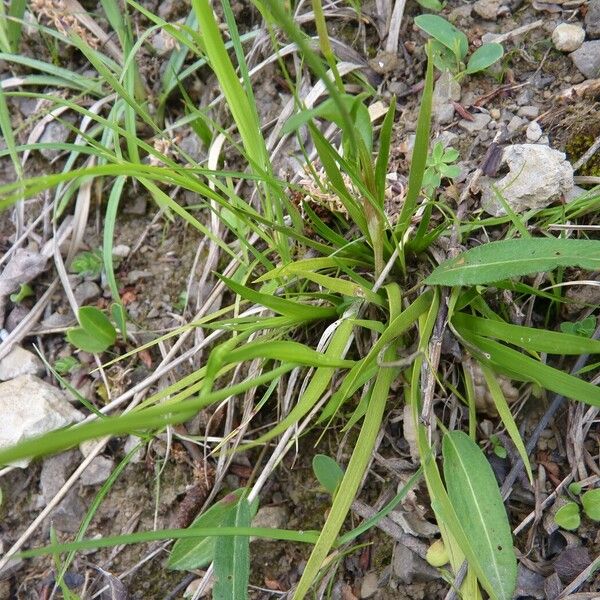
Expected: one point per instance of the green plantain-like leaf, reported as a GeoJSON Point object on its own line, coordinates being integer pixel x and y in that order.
{"type": "Point", "coordinates": [513, 258]}
{"type": "Point", "coordinates": [476, 499]}
{"type": "Point", "coordinates": [232, 557]}
{"type": "Point", "coordinates": [445, 33]}
{"type": "Point", "coordinates": [195, 553]}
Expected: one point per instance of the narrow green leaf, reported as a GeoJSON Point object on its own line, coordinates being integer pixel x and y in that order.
{"type": "Point", "coordinates": [514, 258]}
{"type": "Point", "coordinates": [303, 537]}
{"type": "Point", "coordinates": [419, 155]}
{"type": "Point", "coordinates": [506, 416]}
{"type": "Point", "coordinates": [484, 57]}
{"type": "Point", "coordinates": [328, 472]}
{"type": "Point", "coordinates": [352, 478]}
{"type": "Point", "coordinates": [529, 338]}
{"type": "Point", "coordinates": [525, 368]}
{"type": "Point", "coordinates": [381, 166]}
{"type": "Point", "coordinates": [281, 305]}
{"type": "Point", "coordinates": [475, 496]}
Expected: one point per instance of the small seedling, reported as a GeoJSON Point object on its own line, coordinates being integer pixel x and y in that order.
{"type": "Point", "coordinates": [432, 4]}
{"type": "Point", "coordinates": [24, 292]}
{"type": "Point", "coordinates": [95, 334]}
{"type": "Point", "coordinates": [88, 264]}
{"type": "Point", "coordinates": [568, 516]}
{"type": "Point", "coordinates": [497, 447]}
{"type": "Point", "coordinates": [439, 165]}
{"type": "Point", "coordinates": [450, 47]}
{"type": "Point", "coordinates": [437, 554]}
{"type": "Point", "coordinates": [66, 365]}
{"type": "Point", "coordinates": [328, 472]}
{"type": "Point", "coordinates": [585, 328]}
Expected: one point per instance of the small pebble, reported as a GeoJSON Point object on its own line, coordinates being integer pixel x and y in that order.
{"type": "Point", "coordinates": [587, 59]}
{"type": "Point", "coordinates": [85, 292]}
{"type": "Point", "coordinates": [487, 9]}
{"type": "Point", "coordinates": [533, 132]}
{"type": "Point", "coordinates": [592, 19]}
{"type": "Point", "coordinates": [479, 122]}
{"type": "Point", "coordinates": [515, 124]}
{"type": "Point", "coordinates": [368, 586]}
{"type": "Point", "coordinates": [529, 112]}
{"type": "Point", "coordinates": [567, 37]}
{"type": "Point", "coordinates": [495, 114]}
{"type": "Point", "coordinates": [121, 251]}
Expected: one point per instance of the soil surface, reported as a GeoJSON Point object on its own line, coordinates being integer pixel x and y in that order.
{"type": "Point", "coordinates": [162, 283]}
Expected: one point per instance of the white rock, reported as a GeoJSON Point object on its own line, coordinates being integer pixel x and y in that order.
{"type": "Point", "coordinates": [446, 91]}
{"type": "Point", "coordinates": [567, 37]}
{"type": "Point", "coordinates": [87, 447]}
{"type": "Point", "coordinates": [121, 250]}
{"type": "Point", "coordinates": [533, 132]}
{"type": "Point", "coordinates": [30, 407]}
{"type": "Point", "coordinates": [538, 175]}
{"type": "Point", "coordinates": [98, 471]}
{"type": "Point", "coordinates": [56, 132]}
{"type": "Point", "coordinates": [20, 362]}
{"type": "Point", "coordinates": [131, 443]}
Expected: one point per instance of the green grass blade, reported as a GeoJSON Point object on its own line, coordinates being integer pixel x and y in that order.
{"type": "Point", "coordinates": [506, 417]}
{"type": "Point", "coordinates": [352, 478]}
{"type": "Point", "coordinates": [528, 338]}
{"type": "Point", "coordinates": [419, 155]}
{"type": "Point", "coordinates": [524, 368]}
{"type": "Point", "coordinates": [303, 537]}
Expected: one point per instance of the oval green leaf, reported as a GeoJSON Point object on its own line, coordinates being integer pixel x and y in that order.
{"type": "Point", "coordinates": [484, 57]}
{"type": "Point", "coordinates": [567, 516]}
{"type": "Point", "coordinates": [591, 504]}
{"type": "Point", "coordinates": [97, 325]}
{"type": "Point", "coordinates": [80, 338]}
{"type": "Point", "coordinates": [445, 33]}
{"type": "Point", "coordinates": [476, 499]}
{"type": "Point", "coordinates": [328, 472]}
{"type": "Point", "coordinates": [513, 258]}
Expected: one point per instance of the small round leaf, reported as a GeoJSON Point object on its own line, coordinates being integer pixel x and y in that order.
{"type": "Point", "coordinates": [567, 516]}
{"type": "Point", "coordinates": [591, 504]}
